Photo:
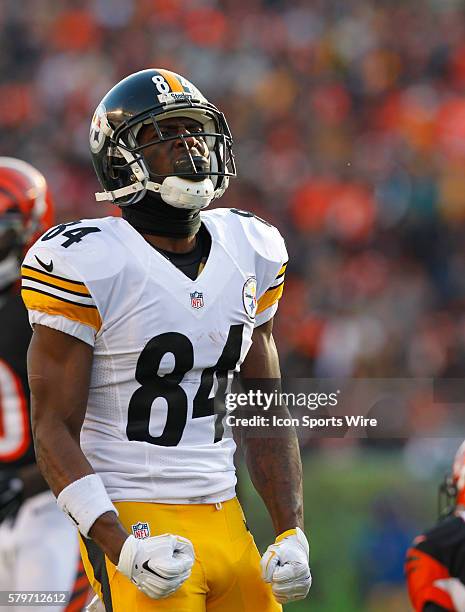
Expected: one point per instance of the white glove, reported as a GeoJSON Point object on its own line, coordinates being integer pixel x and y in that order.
{"type": "Point", "coordinates": [158, 566]}
{"type": "Point", "coordinates": [285, 566]}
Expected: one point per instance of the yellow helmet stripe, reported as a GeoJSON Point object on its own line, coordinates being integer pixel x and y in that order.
{"type": "Point", "coordinates": [172, 80]}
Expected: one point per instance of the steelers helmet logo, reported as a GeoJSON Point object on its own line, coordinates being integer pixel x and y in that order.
{"type": "Point", "coordinates": [99, 129]}
{"type": "Point", "coordinates": [249, 296]}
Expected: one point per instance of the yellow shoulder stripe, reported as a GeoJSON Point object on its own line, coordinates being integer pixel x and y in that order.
{"type": "Point", "coordinates": [269, 298]}
{"type": "Point", "coordinates": [282, 270]}
{"type": "Point", "coordinates": [88, 315]}
{"type": "Point", "coordinates": [173, 82]}
{"type": "Point", "coordinates": [54, 281]}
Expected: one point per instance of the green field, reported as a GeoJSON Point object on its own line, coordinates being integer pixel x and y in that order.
{"type": "Point", "coordinates": [340, 491]}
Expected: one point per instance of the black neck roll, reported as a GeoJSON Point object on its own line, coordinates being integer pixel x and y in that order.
{"type": "Point", "coordinates": [154, 217]}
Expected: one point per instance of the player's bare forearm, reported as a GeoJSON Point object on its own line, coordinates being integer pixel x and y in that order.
{"type": "Point", "coordinates": [59, 374]}
{"type": "Point", "coordinates": [273, 461]}
{"type": "Point", "coordinates": [276, 472]}
{"type": "Point", "coordinates": [59, 368]}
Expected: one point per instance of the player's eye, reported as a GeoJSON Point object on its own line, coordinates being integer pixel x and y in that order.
{"type": "Point", "coordinates": [175, 130]}
{"type": "Point", "coordinates": [166, 132]}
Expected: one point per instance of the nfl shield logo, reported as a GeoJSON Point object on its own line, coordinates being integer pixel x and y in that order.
{"type": "Point", "coordinates": [197, 299]}
{"type": "Point", "coordinates": [140, 530]}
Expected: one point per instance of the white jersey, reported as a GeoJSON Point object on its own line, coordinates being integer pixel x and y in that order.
{"type": "Point", "coordinates": [163, 345]}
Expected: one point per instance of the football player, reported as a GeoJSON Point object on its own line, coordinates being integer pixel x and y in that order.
{"type": "Point", "coordinates": [38, 550]}
{"type": "Point", "coordinates": [139, 322]}
{"type": "Point", "coordinates": [435, 566]}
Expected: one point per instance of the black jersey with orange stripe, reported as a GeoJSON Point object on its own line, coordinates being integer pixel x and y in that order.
{"type": "Point", "coordinates": [16, 448]}
{"type": "Point", "coordinates": [435, 566]}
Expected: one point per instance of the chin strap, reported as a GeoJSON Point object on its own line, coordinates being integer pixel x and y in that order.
{"type": "Point", "coordinates": [175, 191]}
{"type": "Point", "coordinates": [112, 196]}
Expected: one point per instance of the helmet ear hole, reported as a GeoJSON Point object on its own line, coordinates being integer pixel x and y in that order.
{"type": "Point", "coordinates": [108, 167]}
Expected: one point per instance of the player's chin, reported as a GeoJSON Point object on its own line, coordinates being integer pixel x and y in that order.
{"type": "Point", "coordinates": [183, 165]}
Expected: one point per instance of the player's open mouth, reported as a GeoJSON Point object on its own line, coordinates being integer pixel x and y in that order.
{"type": "Point", "coordinates": [198, 163]}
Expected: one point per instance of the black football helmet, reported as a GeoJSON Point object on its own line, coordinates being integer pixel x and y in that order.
{"type": "Point", "coordinates": [148, 97]}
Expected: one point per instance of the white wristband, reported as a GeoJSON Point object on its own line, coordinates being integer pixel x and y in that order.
{"type": "Point", "coordinates": [84, 500]}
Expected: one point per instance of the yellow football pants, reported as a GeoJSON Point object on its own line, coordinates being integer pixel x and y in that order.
{"type": "Point", "coordinates": [226, 573]}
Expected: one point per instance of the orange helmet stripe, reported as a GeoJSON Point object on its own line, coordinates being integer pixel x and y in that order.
{"type": "Point", "coordinates": [172, 80]}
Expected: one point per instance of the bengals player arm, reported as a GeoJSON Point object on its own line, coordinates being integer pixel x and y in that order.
{"type": "Point", "coordinates": [59, 367]}
{"type": "Point", "coordinates": [273, 461]}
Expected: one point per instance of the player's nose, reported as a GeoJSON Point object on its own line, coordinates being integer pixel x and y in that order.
{"type": "Point", "coordinates": [187, 137]}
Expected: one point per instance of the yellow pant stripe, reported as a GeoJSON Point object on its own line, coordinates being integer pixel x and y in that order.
{"type": "Point", "coordinates": [95, 584]}
{"type": "Point", "coordinates": [95, 564]}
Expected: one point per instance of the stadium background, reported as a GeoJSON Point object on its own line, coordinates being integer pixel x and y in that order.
{"type": "Point", "coordinates": [349, 123]}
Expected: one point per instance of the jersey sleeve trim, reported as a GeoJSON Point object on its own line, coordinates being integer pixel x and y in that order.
{"type": "Point", "coordinates": [87, 314]}
{"type": "Point", "coordinates": [282, 270]}
{"type": "Point", "coordinates": [54, 303]}
{"type": "Point", "coordinates": [40, 278]}
{"type": "Point", "coordinates": [25, 269]}
{"type": "Point", "coordinates": [270, 297]}
{"type": "Point", "coordinates": [265, 316]}
{"type": "Point", "coordinates": [56, 295]}
{"type": "Point", "coordinates": [63, 324]}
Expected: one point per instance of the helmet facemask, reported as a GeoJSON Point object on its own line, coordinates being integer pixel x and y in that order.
{"type": "Point", "coordinates": [196, 180]}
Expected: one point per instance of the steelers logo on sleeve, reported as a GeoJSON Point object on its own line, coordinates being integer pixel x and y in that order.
{"type": "Point", "coordinates": [249, 296]}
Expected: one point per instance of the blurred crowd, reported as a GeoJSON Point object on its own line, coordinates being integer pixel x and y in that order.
{"type": "Point", "coordinates": [348, 118]}
{"type": "Point", "coordinates": [349, 124]}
